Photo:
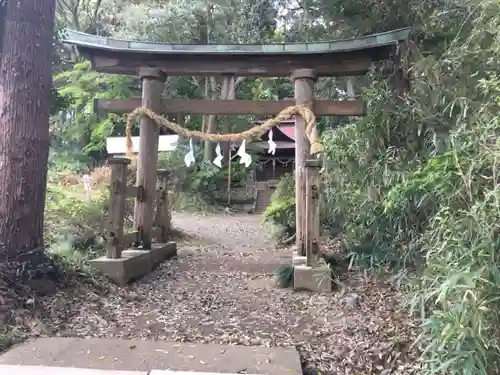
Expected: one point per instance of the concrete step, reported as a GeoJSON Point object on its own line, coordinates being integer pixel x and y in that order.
{"type": "Point", "coordinates": [139, 357]}
{"type": "Point", "coordinates": [46, 370]}
{"type": "Point", "coordinates": [50, 370]}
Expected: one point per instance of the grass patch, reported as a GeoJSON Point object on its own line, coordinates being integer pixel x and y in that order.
{"type": "Point", "coordinates": [284, 276]}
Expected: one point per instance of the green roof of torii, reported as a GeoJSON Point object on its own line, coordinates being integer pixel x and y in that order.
{"type": "Point", "coordinates": [94, 42]}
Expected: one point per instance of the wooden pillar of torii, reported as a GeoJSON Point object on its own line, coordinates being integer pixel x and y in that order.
{"type": "Point", "coordinates": [307, 227]}
{"type": "Point", "coordinates": [153, 81]}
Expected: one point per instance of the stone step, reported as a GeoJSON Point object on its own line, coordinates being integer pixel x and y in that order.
{"type": "Point", "coordinates": [266, 196]}
{"type": "Point", "coordinates": [148, 357]}
{"type": "Point", "coordinates": [263, 200]}
{"type": "Point", "coordinates": [263, 205]}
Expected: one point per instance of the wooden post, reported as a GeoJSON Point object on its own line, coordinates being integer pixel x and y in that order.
{"type": "Point", "coordinates": [152, 87]}
{"type": "Point", "coordinates": [163, 215]}
{"type": "Point", "coordinates": [304, 94]}
{"type": "Point", "coordinates": [118, 191]}
{"type": "Point", "coordinates": [312, 216]}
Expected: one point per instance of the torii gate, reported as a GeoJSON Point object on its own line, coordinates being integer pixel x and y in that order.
{"type": "Point", "coordinates": [302, 62]}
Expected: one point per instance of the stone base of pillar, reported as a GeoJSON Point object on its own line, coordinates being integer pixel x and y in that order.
{"type": "Point", "coordinates": [299, 260]}
{"type": "Point", "coordinates": [134, 264]}
{"type": "Point", "coordinates": [315, 279]}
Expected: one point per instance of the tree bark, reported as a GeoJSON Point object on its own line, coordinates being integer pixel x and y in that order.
{"type": "Point", "coordinates": [226, 88]}
{"type": "Point", "coordinates": [227, 128]}
{"type": "Point", "coordinates": [205, 117]}
{"type": "Point", "coordinates": [210, 123]}
{"type": "Point", "coordinates": [25, 84]}
{"type": "Point", "coordinates": [351, 94]}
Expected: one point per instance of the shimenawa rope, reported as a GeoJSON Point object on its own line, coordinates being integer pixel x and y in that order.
{"type": "Point", "coordinates": [255, 132]}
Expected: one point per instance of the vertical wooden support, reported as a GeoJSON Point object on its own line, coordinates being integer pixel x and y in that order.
{"type": "Point", "coordinates": [312, 216]}
{"type": "Point", "coordinates": [163, 215]}
{"type": "Point", "coordinates": [180, 119]}
{"type": "Point", "coordinates": [118, 191]}
{"type": "Point", "coordinates": [152, 87]}
{"type": "Point", "coordinates": [304, 94]}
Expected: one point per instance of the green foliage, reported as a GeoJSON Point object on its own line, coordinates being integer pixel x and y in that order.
{"type": "Point", "coordinates": [77, 125]}
{"type": "Point", "coordinates": [59, 102]}
{"type": "Point", "coordinates": [66, 160]}
{"type": "Point", "coordinates": [5, 339]}
{"type": "Point", "coordinates": [71, 217]}
{"type": "Point", "coordinates": [195, 186]}
{"type": "Point", "coordinates": [284, 276]}
{"type": "Point", "coordinates": [281, 211]}
{"type": "Point", "coordinates": [458, 296]}
{"type": "Point", "coordinates": [74, 225]}
{"type": "Point", "coordinates": [415, 184]}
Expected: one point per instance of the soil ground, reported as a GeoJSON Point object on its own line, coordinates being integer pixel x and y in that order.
{"type": "Point", "coordinates": [221, 289]}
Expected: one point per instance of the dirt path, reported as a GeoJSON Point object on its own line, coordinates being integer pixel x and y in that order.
{"type": "Point", "coordinates": [220, 289]}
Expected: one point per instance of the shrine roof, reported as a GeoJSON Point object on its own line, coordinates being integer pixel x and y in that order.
{"type": "Point", "coordinates": [283, 132]}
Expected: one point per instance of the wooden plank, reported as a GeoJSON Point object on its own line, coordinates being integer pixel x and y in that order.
{"type": "Point", "coordinates": [235, 107]}
{"type": "Point", "coordinates": [353, 63]}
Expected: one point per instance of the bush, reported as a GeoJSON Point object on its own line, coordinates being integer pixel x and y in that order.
{"type": "Point", "coordinates": [64, 160]}
{"type": "Point", "coordinates": [71, 216]}
{"type": "Point", "coordinates": [281, 211]}
{"type": "Point", "coordinates": [458, 292]}
{"type": "Point", "coordinates": [414, 184]}
{"type": "Point", "coordinates": [5, 339]}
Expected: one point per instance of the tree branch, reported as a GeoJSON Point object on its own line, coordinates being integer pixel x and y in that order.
{"type": "Point", "coordinates": [96, 11]}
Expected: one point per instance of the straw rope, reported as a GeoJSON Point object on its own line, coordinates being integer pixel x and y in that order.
{"type": "Point", "coordinates": [255, 132]}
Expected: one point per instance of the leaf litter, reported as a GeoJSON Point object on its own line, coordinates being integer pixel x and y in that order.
{"type": "Point", "coordinates": [221, 289]}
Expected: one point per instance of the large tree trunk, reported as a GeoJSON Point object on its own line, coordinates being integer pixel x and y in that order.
{"type": "Point", "coordinates": [25, 83]}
